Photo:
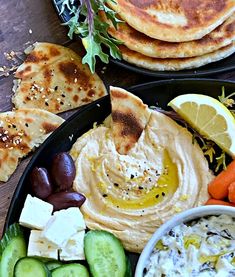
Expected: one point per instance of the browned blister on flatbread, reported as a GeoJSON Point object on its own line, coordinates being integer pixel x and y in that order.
{"type": "Point", "coordinates": [20, 132]}
{"type": "Point", "coordinates": [129, 118]}
{"type": "Point", "coordinates": [174, 20]}
{"type": "Point", "coordinates": [53, 78]}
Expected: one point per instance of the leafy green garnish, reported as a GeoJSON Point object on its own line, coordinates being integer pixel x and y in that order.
{"type": "Point", "coordinates": [86, 22]}
{"type": "Point", "coordinates": [227, 101]}
{"type": "Point", "coordinates": [221, 161]}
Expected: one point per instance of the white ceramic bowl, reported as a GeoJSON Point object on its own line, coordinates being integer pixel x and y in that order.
{"type": "Point", "coordinates": [176, 220]}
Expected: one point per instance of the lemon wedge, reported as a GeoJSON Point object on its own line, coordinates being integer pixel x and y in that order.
{"type": "Point", "coordinates": [209, 117]}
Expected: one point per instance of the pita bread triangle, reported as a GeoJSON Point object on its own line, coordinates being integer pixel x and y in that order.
{"type": "Point", "coordinates": [53, 78]}
{"type": "Point", "coordinates": [129, 118]}
{"type": "Point", "coordinates": [20, 132]}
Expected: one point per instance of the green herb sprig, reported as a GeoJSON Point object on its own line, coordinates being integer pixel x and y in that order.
{"type": "Point", "coordinates": [86, 22]}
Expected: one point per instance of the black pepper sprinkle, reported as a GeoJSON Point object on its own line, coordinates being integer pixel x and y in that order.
{"type": "Point", "coordinates": [171, 233]}
{"type": "Point", "coordinates": [105, 195]}
{"type": "Point", "coordinates": [157, 196]}
{"type": "Point", "coordinates": [132, 176]}
{"type": "Point", "coordinates": [115, 184]}
{"type": "Point", "coordinates": [56, 87]}
{"type": "Point", "coordinates": [46, 104]}
{"type": "Point", "coordinates": [26, 124]}
{"type": "Point", "coordinates": [117, 206]}
{"type": "Point", "coordinates": [163, 194]}
{"type": "Point", "coordinates": [61, 103]}
{"type": "Point", "coordinates": [13, 125]}
{"type": "Point", "coordinates": [150, 180]}
{"type": "Point", "coordinates": [62, 95]}
{"type": "Point", "coordinates": [140, 187]}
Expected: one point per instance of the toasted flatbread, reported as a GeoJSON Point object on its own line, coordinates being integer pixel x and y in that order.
{"type": "Point", "coordinates": [20, 132]}
{"type": "Point", "coordinates": [53, 78]}
{"type": "Point", "coordinates": [174, 20]}
{"type": "Point", "coordinates": [156, 64]}
{"type": "Point", "coordinates": [222, 36]}
{"type": "Point", "coordinates": [129, 118]}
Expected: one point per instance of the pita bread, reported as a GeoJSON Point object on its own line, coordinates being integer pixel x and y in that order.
{"type": "Point", "coordinates": [129, 118]}
{"type": "Point", "coordinates": [174, 20]}
{"type": "Point", "coordinates": [175, 64]}
{"type": "Point", "coordinates": [139, 42]}
{"type": "Point", "coordinates": [53, 78]}
{"type": "Point", "coordinates": [20, 132]}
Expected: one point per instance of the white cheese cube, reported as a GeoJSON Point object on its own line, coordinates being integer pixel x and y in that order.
{"type": "Point", "coordinates": [40, 247]}
{"type": "Point", "coordinates": [35, 213]}
{"type": "Point", "coordinates": [74, 216]}
{"type": "Point", "coordinates": [62, 225]}
{"type": "Point", "coordinates": [74, 248]}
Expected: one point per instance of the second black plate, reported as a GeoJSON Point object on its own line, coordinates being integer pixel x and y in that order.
{"type": "Point", "coordinates": [63, 138]}
{"type": "Point", "coordinates": [222, 66]}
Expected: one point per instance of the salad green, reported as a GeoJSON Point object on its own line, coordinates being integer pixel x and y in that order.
{"type": "Point", "coordinates": [86, 22]}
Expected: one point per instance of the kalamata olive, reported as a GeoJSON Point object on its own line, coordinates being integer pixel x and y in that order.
{"type": "Point", "coordinates": [64, 200]}
{"type": "Point", "coordinates": [63, 171]}
{"type": "Point", "coordinates": [40, 182]}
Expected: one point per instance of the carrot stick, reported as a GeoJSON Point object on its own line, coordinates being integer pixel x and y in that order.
{"type": "Point", "coordinates": [231, 192]}
{"type": "Point", "coordinates": [218, 202]}
{"type": "Point", "coordinates": [218, 188]}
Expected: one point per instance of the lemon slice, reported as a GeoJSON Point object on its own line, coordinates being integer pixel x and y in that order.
{"type": "Point", "coordinates": [209, 117]}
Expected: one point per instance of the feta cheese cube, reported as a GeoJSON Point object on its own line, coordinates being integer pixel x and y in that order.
{"type": "Point", "coordinates": [40, 247]}
{"type": "Point", "coordinates": [74, 248]}
{"type": "Point", "coordinates": [74, 216]}
{"type": "Point", "coordinates": [62, 225]}
{"type": "Point", "coordinates": [35, 213]}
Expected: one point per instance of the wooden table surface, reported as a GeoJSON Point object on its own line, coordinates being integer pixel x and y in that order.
{"type": "Point", "coordinates": [22, 22]}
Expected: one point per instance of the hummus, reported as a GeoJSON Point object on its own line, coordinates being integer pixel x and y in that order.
{"type": "Point", "coordinates": [132, 195]}
{"type": "Point", "coordinates": [204, 248]}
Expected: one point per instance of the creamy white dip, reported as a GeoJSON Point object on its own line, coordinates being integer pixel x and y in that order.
{"type": "Point", "coordinates": [201, 248]}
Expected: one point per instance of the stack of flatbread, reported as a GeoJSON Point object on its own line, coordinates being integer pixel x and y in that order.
{"type": "Point", "coordinates": [174, 34]}
{"type": "Point", "coordinates": [51, 80]}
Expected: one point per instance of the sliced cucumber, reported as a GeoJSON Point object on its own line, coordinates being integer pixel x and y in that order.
{"type": "Point", "coordinates": [128, 272]}
{"type": "Point", "coordinates": [31, 267]}
{"type": "Point", "coordinates": [12, 248]}
{"type": "Point", "coordinates": [53, 265]}
{"type": "Point", "coordinates": [70, 270]}
{"type": "Point", "coordinates": [105, 254]}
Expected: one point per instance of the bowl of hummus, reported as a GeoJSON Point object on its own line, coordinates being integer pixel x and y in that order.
{"type": "Point", "coordinates": [197, 242]}
{"type": "Point", "coordinates": [137, 170]}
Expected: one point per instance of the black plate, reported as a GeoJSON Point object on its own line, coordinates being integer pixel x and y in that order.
{"type": "Point", "coordinates": [63, 138]}
{"type": "Point", "coordinates": [222, 66]}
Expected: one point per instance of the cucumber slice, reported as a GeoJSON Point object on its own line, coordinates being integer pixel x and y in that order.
{"type": "Point", "coordinates": [53, 265]}
{"type": "Point", "coordinates": [128, 272]}
{"type": "Point", "coordinates": [12, 248]}
{"type": "Point", "coordinates": [105, 254]}
{"type": "Point", "coordinates": [70, 270]}
{"type": "Point", "coordinates": [31, 267]}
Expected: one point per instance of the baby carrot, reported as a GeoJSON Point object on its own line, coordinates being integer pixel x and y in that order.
{"type": "Point", "coordinates": [218, 188]}
{"type": "Point", "coordinates": [218, 202]}
{"type": "Point", "coordinates": [231, 192]}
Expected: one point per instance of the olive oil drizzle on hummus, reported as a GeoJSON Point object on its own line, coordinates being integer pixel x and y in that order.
{"type": "Point", "coordinates": [164, 188]}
